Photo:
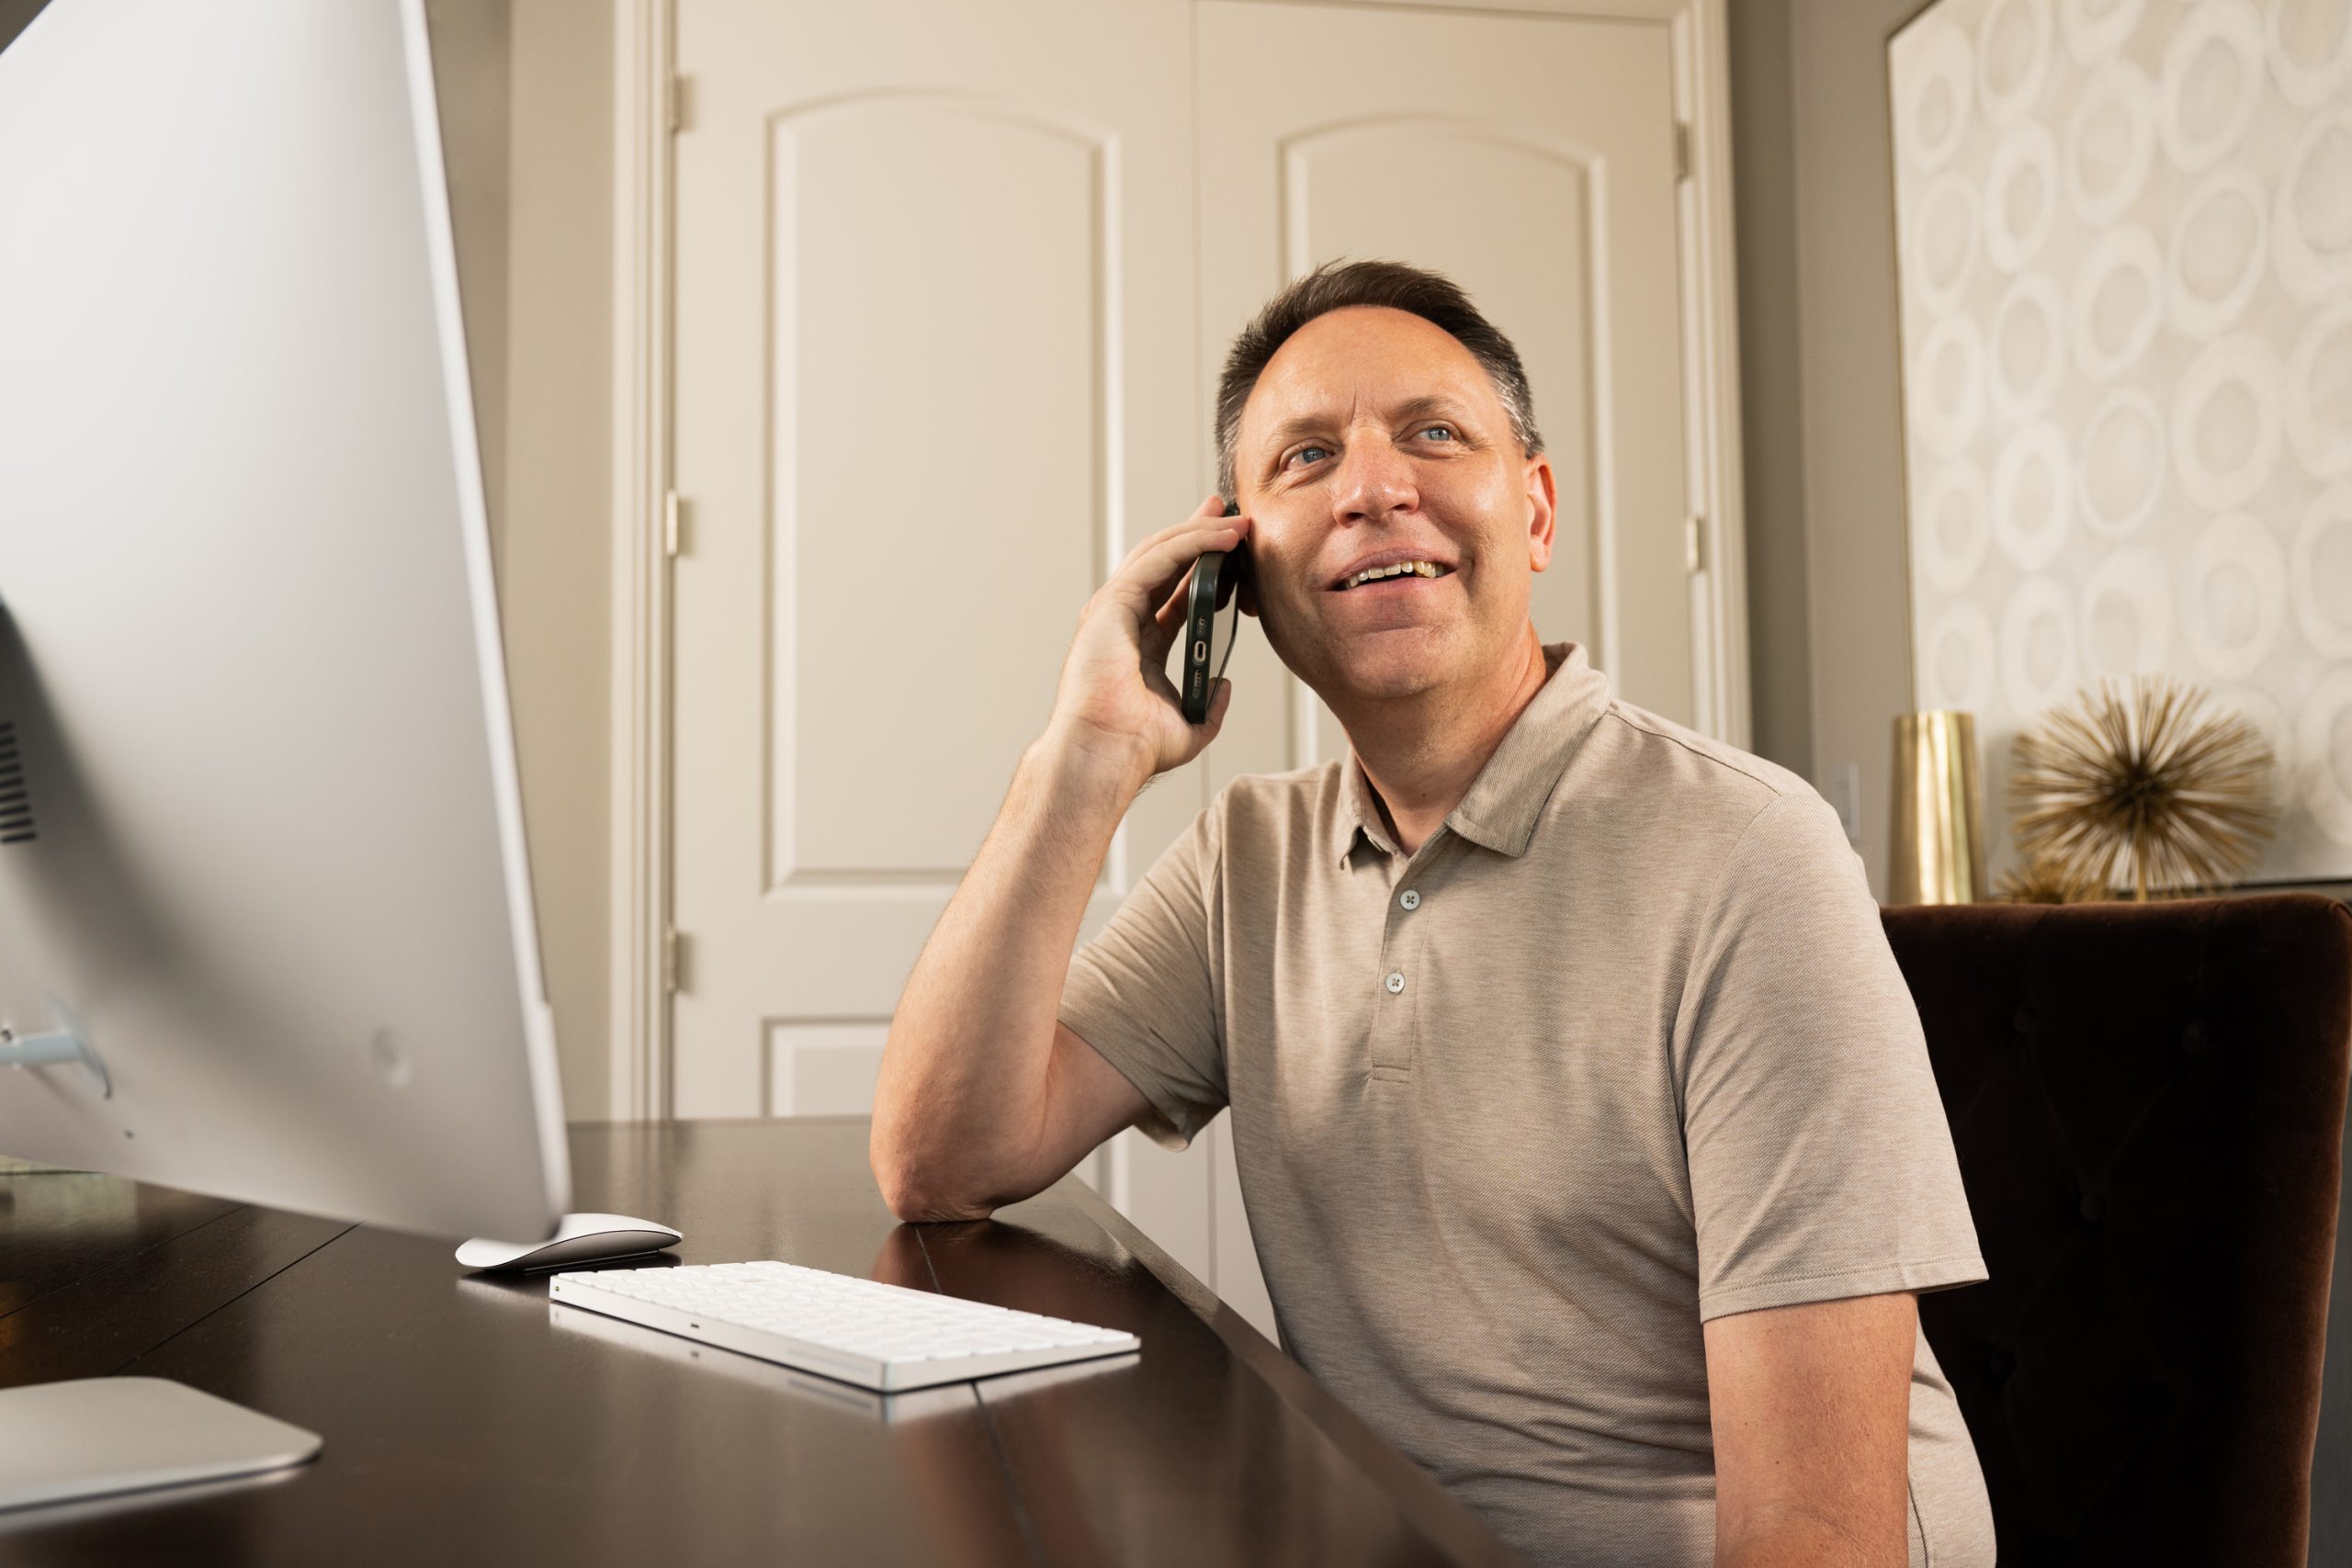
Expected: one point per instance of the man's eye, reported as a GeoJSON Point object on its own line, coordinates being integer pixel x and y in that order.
{"type": "Point", "coordinates": [1445, 429]}
{"type": "Point", "coordinates": [1309, 453]}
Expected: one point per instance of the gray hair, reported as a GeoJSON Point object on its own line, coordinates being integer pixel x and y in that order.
{"type": "Point", "coordinates": [1337, 286]}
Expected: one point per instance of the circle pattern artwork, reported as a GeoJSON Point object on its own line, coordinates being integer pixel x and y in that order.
{"type": "Point", "coordinates": [2097, 28]}
{"type": "Point", "coordinates": [1958, 528]}
{"type": "Point", "coordinates": [2311, 226]}
{"type": "Point", "coordinates": [2111, 138]}
{"type": "Point", "coordinates": [2020, 197]}
{"type": "Point", "coordinates": [2012, 57]}
{"type": "Point", "coordinates": [2234, 595]}
{"type": "Point", "coordinates": [2220, 248]}
{"type": "Point", "coordinates": [2038, 645]}
{"type": "Point", "coordinates": [2028, 354]}
{"type": "Point", "coordinates": [2125, 349]}
{"type": "Point", "coordinates": [1959, 658]}
{"type": "Point", "coordinates": [2319, 395]}
{"type": "Point", "coordinates": [2033, 498]}
{"type": "Point", "coordinates": [2124, 450]}
{"type": "Point", "coordinates": [2126, 614]}
{"type": "Point", "coordinates": [2119, 302]}
{"type": "Point", "coordinates": [1944, 241]}
{"type": "Point", "coordinates": [1942, 101]}
{"type": "Point", "coordinates": [2319, 572]}
{"type": "Point", "coordinates": [2323, 746]}
{"type": "Point", "coordinates": [2225, 422]}
{"type": "Point", "coordinates": [1948, 403]}
{"type": "Point", "coordinates": [2212, 83]}
{"type": "Point", "coordinates": [2309, 43]}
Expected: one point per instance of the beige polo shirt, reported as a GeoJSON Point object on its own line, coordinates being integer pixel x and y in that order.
{"type": "Point", "coordinates": [1622, 1048]}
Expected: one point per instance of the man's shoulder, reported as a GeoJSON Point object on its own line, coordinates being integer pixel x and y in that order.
{"type": "Point", "coordinates": [1688, 782]}
{"type": "Point", "coordinates": [1281, 815]}
{"type": "Point", "coordinates": [1310, 790]}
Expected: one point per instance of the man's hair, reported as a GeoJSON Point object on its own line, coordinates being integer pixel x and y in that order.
{"type": "Point", "coordinates": [1336, 286]}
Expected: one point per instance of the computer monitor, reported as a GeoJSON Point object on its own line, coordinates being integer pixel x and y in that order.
{"type": "Point", "coordinates": [260, 836]}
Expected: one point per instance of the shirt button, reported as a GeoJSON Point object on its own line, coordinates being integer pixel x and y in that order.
{"type": "Point", "coordinates": [1396, 982]}
{"type": "Point", "coordinates": [1411, 899]}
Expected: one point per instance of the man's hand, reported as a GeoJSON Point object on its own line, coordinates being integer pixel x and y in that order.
{"type": "Point", "coordinates": [1811, 1407]}
{"type": "Point", "coordinates": [1115, 699]}
{"type": "Point", "coordinates": [985, 1096]}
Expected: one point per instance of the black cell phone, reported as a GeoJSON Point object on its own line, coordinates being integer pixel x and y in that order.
{"type": "Point", "coordinates": [1215, 577]}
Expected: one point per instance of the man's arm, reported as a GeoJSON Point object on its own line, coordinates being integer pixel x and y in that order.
{"type": "Point", "coordinates": [1811, 1407]}
{"type": "Point", "coordinates": [985, 1096]}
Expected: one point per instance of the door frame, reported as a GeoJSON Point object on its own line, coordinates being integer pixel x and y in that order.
{"type": "Point", "coordinates": [650, 105]}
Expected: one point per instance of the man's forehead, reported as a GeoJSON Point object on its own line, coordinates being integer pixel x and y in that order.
{"type": "Point", "coordinates": [1366, 353]}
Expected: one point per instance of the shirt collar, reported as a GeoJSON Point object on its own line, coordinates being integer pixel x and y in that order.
{"type": "Point", "coordinates": [1509, 794]}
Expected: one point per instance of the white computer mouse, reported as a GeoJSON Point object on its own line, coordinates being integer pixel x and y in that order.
{"type": "Point", "coordinates": [581, 1238]}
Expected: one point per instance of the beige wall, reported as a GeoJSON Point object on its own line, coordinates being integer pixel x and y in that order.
{"type": "Point", "coordinates": [525, 89]}
{"type": "Point", "coordinates": [554, 550]}
{"type": "Point", "coordinates": [1771, 405]}
{"type": "Point", "coordinates": [1820, 389]}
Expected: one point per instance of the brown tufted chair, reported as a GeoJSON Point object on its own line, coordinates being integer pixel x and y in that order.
{"type": "Point", "coordinates": [2149, 1105]}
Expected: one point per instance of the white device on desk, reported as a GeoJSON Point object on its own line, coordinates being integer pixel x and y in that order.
{"type": "Point", "coordinates": [885, 1338]}
{"type": "Point", "coordinates": [266, 917]}
{"type": "Point", "coordinates": [581, 1238]}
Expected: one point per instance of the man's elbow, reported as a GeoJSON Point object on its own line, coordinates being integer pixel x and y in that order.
{"type": "Point", "coordinates": [916, 1191]}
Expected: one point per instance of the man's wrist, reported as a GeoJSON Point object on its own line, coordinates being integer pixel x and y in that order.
{"type": "Point", "coordinates": [1095, 765]}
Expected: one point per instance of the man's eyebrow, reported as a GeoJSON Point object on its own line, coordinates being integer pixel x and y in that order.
{"type": "Point", "coordinates": [1428, 405]}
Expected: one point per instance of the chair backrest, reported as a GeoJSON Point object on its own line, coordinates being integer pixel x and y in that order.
{"type": "Point", "coordinates": [2148, 1102]}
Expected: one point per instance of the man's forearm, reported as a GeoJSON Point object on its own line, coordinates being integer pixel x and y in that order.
{"type": "Point", "coordinates": [964, 1073]}
{"type": "Point", "coordinates": [1796, 1538]}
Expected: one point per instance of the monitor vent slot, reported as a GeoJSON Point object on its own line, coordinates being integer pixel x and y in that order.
{"type": "Point", "coordinates": [16, 804]}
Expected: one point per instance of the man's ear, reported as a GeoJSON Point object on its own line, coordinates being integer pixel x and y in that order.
{"type": "Point", "coordinates": [1543, 510]}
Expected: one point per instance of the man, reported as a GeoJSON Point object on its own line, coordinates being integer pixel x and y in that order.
{"type": "Point", "coordinates": [1584, 1122]}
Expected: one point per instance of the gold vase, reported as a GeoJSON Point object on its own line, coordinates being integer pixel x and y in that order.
{"type": "Point", "coordinates": [1938, 837]}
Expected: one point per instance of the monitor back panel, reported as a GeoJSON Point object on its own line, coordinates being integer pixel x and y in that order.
{"type": "Point", "coordinates": [270, 851]}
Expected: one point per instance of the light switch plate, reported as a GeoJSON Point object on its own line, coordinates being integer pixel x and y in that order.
{"type": "Point", "coordinates": [1845, 794]}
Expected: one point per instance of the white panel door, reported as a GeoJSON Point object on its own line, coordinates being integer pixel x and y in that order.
{"type": "Point", "coordinates": [1530, 158]}
{"type": "Point", "coordinates": [936, 369]}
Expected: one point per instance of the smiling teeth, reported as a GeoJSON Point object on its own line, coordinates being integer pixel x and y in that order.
{"type": "Point", "coordinates": [1399, 568]}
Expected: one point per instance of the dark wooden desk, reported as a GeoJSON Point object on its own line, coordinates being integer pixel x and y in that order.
{"type": "Point", "coordinates": [464, 1424]}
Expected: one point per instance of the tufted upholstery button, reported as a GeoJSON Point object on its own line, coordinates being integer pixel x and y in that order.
{"type": "Point", "coordinates": [2026, 1019]}
{"type": "Point", "coordinates": [2092, 1207]}
{"type": "Point", "coordinates": [2000, 1363]}
{"type": "Point", "coordinates": [2192, 1039]}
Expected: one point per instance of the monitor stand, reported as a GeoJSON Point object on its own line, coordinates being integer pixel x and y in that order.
{"type": "Point", "coordinates": [66, 1043]}
{"type": "Point", "coordinates": [94, 1436]}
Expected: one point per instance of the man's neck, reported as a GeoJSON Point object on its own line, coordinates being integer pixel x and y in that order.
{"type": "Point", "coordinates": [1423, 756]}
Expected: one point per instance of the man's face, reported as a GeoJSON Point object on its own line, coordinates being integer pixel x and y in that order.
{"type": "Point", "coordinates": [1373, 436]}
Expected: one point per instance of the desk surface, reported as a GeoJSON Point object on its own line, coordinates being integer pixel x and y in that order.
{"type": "Point", "coordinates": [464, 1424]}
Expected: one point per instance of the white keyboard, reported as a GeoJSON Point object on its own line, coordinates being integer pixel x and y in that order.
{"type": "Point", "coordinates": [880, 1337]}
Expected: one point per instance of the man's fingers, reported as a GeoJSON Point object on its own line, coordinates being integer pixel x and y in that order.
{"type": "Point", "coordinates": [1211, 513]}
{"type": "Point", "coordinates": [1171, 609]}
{"type": "Point", "coordinates": [1156, 571]}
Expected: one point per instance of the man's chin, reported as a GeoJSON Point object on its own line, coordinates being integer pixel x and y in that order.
{"type": "Point", "coordinates": [1389, 666]}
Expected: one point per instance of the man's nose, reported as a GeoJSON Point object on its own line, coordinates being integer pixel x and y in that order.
{"type": "Point", "coordinates": [1374, 480]}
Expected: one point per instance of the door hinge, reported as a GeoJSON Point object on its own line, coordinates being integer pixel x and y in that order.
{"type": "Point", "coordinates": [1694, 538]}
{"type": "Point", "coordinates": [1681, 151]}
{"type": "Point", "coordinates": [675, 949]}
{"type": "Point", "coordinates": [676, 94]}
{"type": "Point", "coordinates": [673, 524]}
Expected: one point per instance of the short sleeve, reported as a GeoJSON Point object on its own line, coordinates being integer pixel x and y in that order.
{"type": "Point", "coordinates": [1143, 992]}
{"type": "Point", "coordinates": [1821, 1162]}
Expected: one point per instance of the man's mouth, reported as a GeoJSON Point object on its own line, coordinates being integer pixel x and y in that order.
{"type": "Point", "coordinates": [1394, 569]}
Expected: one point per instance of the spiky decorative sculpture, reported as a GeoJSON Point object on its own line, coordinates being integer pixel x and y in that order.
{"type": "Point", "coordinates": [2140, 784]}
{"type": "Point", "coordinates": [2046, 882]}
